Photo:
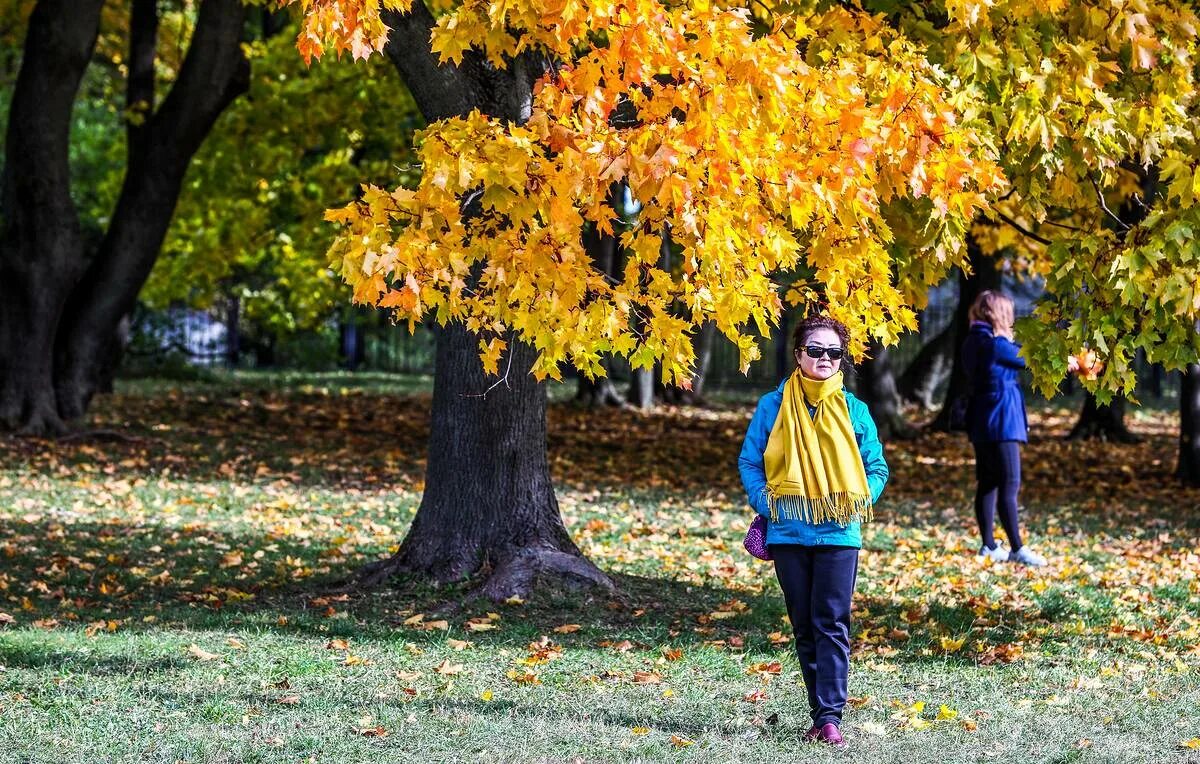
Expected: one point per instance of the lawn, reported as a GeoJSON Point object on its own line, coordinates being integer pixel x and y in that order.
{"type": "Point", "coordinates": [169, 592]}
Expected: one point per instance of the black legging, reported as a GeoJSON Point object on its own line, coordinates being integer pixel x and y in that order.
{"type": "Point", "coordinates": [998, 481]}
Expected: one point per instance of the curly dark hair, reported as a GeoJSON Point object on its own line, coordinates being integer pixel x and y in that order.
{"type": "Point", "coordinates": [810, 324]}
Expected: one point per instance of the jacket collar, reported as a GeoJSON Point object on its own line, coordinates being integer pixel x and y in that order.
{"type": "Point", "coordinates": [981, 326]}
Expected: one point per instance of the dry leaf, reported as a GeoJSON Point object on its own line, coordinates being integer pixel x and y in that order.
{"type": "Point", "coordinates": [201, 654]}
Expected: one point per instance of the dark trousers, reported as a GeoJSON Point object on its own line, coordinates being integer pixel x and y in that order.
{"type": "Point", "coordinates": [998, 481]}
{"type": "Point", "coordinates": [818, 584]}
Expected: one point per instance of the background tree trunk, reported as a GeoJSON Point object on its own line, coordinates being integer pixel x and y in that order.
{"type": "Point", "coordinates": [877, 388]}
{"type": "Point", "coordinates": [984, 275]}
{"type": "Point", "coordinates": [605, 253]}
{"type": "Point", "coordinates": [1103, 422]}
{"type": "Point", "coordinates": [1188, 469]}
{"type": "Point", "coordinates": [929, 370]}
{"type": "Point", "coordinates": [41, 245]}
{"type": "Point", "coordinates": [213, 74]}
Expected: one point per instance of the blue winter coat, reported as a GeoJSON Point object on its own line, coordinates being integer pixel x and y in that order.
{"type": "Point", "coordinates": [754, 476]}
{"type": "Point", "coordinates": [995, 406]}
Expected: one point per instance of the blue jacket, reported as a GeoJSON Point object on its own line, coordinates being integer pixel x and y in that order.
{"type": "Point", "coordinates": [754, 476]}
{"type": "Point", "coordinates": [995, 406]}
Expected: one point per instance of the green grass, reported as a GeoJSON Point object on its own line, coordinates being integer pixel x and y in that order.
{"type": "Point", "coordinates": [227, 521]}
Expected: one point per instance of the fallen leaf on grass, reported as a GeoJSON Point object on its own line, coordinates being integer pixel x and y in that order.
{"type": "Point", "coordinates": [201, 654]}
{"type": "Point", "coordinates": [447, 668]}
{"type": "Point", "coordinates": [5, 618]}
{"type": "Point", "coordinates": [646, 677]}
{"type": "Point", "coordinates": [1193, 744]}
{"type": "Point", "coordinates": [756, 696]}
{"type": "Point", "coordinates": [567, 628]}
{"type": "Point", "coordinates": [640, 730]}
{"type": "Point", "coordinates": [945, 713]}
{"type": "Point", "coordinates": [523, 677]}
{"type": "Point", "coordinates": [951, 645]}
{"type": "Point", "coordinates": [672, 653]}
{"type": "Point", "coordinates": [770, 667]}
{"type": "Point", "coordinates": [236, 643]}
{"type": "Point", "coordinates": [681, 742]}
{"type": "Point", "coordinates": [337, 644]}
{"type": "Point", "coordinates": [459, 644]}
{"type": "Point", "coordinates": [289, 700]}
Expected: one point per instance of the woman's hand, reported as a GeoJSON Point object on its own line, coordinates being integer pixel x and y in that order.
{"type": "Point", "coordinates": [1085, 364]}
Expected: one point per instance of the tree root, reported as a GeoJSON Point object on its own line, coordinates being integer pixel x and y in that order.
{"type": "Point", "coordinates": [516, 576]}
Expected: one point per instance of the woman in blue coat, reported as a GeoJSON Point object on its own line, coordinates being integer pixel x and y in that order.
{"type": "Point", "coordinates": [813, 466]}
{"type": "Point", "coordinates": [997, 424]}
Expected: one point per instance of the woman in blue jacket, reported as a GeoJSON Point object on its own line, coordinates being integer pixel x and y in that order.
{"type": "Point", "coordinates": [813, 466]}
{"type": "Point", "coordinates": [996, 423]}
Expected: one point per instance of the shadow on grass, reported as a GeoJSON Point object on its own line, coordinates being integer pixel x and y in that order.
{"type": "Point", "coordinates": [100, 571]}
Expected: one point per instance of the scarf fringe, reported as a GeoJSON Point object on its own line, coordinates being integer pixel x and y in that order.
{"type": "Point", "coordinates": [842, 508]}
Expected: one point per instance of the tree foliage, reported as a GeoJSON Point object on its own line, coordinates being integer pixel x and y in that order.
{"type": "Point", "coordinates": [754, 157]}
{"type": "Point", "coordinates": [860, 144]}
{"type": "Point", "coordinates": [249, 219]}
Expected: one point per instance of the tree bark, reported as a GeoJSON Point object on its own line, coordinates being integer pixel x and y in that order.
{"type": "Point", "coordinates": [41, 243]}
{"type": "Point", "coordinates": [984, 275]}
{"type": "Point", "coordinates": [1100, 422]}
{"type": "Point", "coordinates": [213, 74]}
{"type": "Point", "coordinates": [1188, 469]}
{"type": "Point", "coordinates": [877, 388]}
{"type": "Point", "coordinates": [489, 506]}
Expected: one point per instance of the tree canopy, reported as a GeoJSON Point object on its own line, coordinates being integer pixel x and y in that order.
{"type": "Point", "coordinates": [864, 144]}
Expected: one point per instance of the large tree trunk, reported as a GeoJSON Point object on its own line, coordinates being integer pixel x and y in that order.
{"type": "Point", "coordinates": [984, 275]}
{"type": "Point", "coordinates": [489, 506]}
{"type": "Point", "coordinates": [213, 74]}
{"type": "Point", "coordinates": [41, 246]}
{"type": "Point", "coordinates": [1188, 469]}
{"type": "Point", "coordinates": [933, 364]}
{"type": "Point", "coordinates": [1100, 422]}
{"type": "Point", "coordinates": [877, 387]}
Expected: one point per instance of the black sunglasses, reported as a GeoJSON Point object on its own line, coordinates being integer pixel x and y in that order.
{"type": "Point", "coordinates": [816, 351]}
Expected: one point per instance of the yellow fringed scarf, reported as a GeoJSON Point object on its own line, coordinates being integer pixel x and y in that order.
{"type": "Point", "coordinates": [814, 470]}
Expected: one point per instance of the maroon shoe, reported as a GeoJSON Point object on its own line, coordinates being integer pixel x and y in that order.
{"type": "Point", "coordinates": [831, 735]}
{"type": "Point", "coordinates": [813, 734]}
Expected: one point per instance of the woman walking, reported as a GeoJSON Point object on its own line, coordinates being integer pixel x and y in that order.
{"type": "Point", "coordinates": [813, 466]}
{"type": "Point", "coordinates": [997, 424]}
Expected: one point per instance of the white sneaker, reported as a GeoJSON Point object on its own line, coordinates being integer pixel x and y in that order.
{"type": "Point", "coordinates": [1026, 556]}
{"type": "Point", "coordinates": [999, 554]}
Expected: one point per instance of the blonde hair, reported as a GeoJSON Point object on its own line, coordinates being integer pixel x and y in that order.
{"type": "Point", "coordinates": [995, 309]}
